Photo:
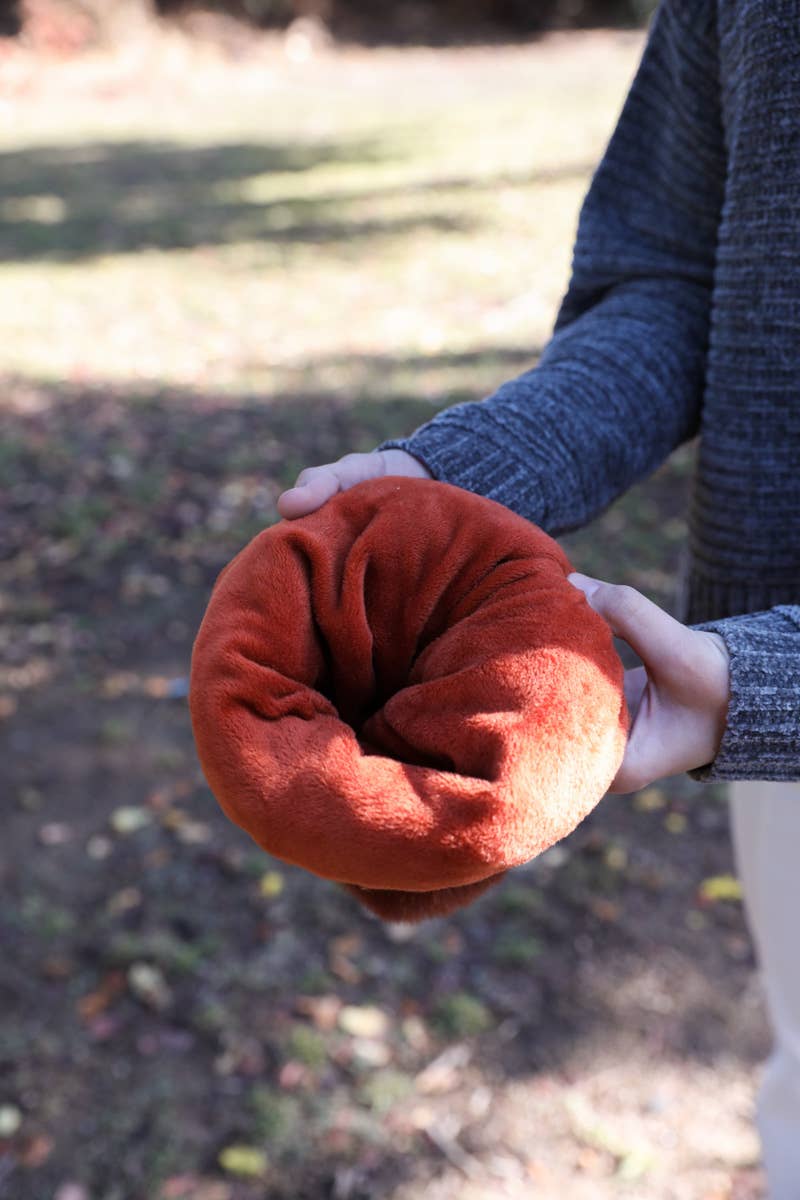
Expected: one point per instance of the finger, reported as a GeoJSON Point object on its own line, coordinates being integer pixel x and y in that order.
{"type": "Point", "coordinates": [635, 683]}
{"type": "Point", "coordinates": [314, 487]}
{"type": "Point", "coordinates": [635, 687]}
{"type": "Point", "coordinates": [656, 637]}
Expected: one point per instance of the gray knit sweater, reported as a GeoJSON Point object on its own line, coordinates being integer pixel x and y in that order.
{"type": "Point", "coordinates": [682, 318]}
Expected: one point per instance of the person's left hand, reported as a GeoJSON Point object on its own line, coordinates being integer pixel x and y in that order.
{"type": "Point", "coordinates": [678, 701]}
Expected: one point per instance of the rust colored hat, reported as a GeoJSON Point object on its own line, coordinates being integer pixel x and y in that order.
{"type": "Point", "coordinates": [401, 692]}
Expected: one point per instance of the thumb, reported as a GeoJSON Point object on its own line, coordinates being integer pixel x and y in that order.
{"type": "Point", "coordinates": [651, 632]}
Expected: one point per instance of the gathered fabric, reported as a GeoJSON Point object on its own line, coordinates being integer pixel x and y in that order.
{"type": "Point", "coordinates": [401, 692]}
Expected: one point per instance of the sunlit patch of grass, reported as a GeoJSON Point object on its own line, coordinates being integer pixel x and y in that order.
{"type": "Point", "coordinates": [262, 231]}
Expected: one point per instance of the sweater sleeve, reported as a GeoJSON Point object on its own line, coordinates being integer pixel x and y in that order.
{"type": "Point", "coordinates": [762, 734]}
{"type": "Point", "coordinates": [620, 383]}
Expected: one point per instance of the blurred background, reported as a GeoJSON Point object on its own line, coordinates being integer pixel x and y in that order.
{"type": "Point", "coordinates": [235, 242]}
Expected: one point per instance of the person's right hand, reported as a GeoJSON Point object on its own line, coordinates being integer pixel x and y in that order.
{"type": "Point", "coordinates": [315, 485]}
{"type": "Point", "coordinates": [678, 700]}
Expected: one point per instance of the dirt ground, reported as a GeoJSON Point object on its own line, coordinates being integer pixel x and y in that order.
{"type": "Point", "coordinates": [195, 301]}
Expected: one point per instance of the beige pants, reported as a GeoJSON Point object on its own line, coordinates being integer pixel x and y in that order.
{"type": "Point", "coordinates": [766, 835]}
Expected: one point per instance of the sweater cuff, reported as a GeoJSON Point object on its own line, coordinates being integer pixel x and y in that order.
{"type": "Point", "coordinates": [762, 733]}
{"type": "Point", "coordinates": [468, 458]}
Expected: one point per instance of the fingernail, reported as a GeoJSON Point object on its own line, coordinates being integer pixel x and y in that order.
{"type": "Point", "coordinates": [584, 583]}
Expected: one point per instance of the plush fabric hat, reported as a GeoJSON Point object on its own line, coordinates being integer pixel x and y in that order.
{"type": "Point", "coordinates": [401, 692]}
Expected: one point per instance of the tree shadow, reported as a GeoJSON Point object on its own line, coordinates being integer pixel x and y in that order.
{"type": "Point", "coordinates": [69, 203]}
{"type": "Point", "coordinates": [124, 503]}
{"type": "Point", "coordinates": [448, 24]}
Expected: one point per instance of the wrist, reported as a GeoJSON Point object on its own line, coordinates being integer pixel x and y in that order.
{"type": "Point", "coordinates": [719, 678]}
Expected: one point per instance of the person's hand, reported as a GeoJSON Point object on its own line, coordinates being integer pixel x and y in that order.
{"type": "Point", "coordinates": [315, 485]}
{"type": "Point", "coordinates": [678, 701]}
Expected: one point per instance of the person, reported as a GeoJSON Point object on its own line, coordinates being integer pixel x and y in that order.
{"type": "Point", "coordinates": [681, 321]}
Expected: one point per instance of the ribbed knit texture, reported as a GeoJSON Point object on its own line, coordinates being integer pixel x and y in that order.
{"type": "Point", "coordinates": [682, 317]}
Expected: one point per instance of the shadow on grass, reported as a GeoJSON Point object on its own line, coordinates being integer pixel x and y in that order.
{"type": "Point", "coordinates": [164, 984]}
{"type": "Point", "coordinates": [112, 473]}
{"type": "Point", "coordinates": [444, 24]}
{"type": "Point", "coordinates": [68, 203]}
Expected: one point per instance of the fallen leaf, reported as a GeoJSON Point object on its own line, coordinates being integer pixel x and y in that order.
{"type": "Point", "coordinates": [370, 1053]}
{"type": "Point", "coordinates": [650, 800]}
{"type": "Point", "coordinates": [443, 1134]}
{"type": "Point", "coordinates": [270, 884]}
{"type": "Point", "coordinates": [156, 686]}
{"type": "Point", "coordinates": [344, 969]}
{"type": "Point", "coordinates": [93, 1003]}
{"type": "Point", "coordinates": [103, 1027]}
{"type": "Point", "coordinates": [193, 1187]}
{"type": "Point", "coordinates": [177, 689]}
{"type": "Point", "coordinates": [616, 857]}
{"type": "Point", "coordinates": [363, 1021]}
{"type": "Point", "coordinates": [55, 833]}
{"type": "Point", "coordinates": [119, 683]}
{"type": "Point", "coordinates": [416, 1034]}
{"type": "Point", "coordinates": [293, 1075]}
{"type": "Point", "coordinates": [71, 1191]}
{"type": "Point", "coordinates": [348, 943]}
{"type": "Point", "coordinates": [244, 1057]}
{"type": "Point", "coordinates": [322, 1010]}
{"type": "Point", "coordinates": [98, 847]}
{"type": "Point", "coordinates": [720, 887]}
{"type": "Point", "coordinates": [123, 901]}
{"type": "Point", "coordinates": [634, 1165]}
{"type": "Point", "coordinates": [36, 1151]}
{"type": "Point", "coordinates": [339, 957]}
{"type": "Point", "coordinates": [594, 1163]}
{"type": "Point", "coordinates": [538, 1171]}
{"type": "Point", "coordinates": [605, 910]}
{"type": "Point", "coordinates": [155, 859]}
{"type": "Point", "coordinates": [30, 799]}
{"type": "Point", "coordinates": [10, 1120]}
{"type": "Point", "coordinates": [675, 822]}
{"type": "Point", "coordinates": [174, 817]}
{"type": "Point", "coordinates": [247, 1161]}
{"type": "Point", "coordinates": [57, 966]}
{"type": "Point", "coordinates": [445, 1072]}
{"type": "Point", "coordinates": [159, 799]}
{"type": "Point", "coordinates": [194, 833]}
{"type": "Point", "coordinates": [421, 1116]}
{"type": "Point", "coordinates": [129, 819]}
{"type": "Point", "coordinates": [453, 942]}
{"type": "Point", "coordinates": [149, 985]}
